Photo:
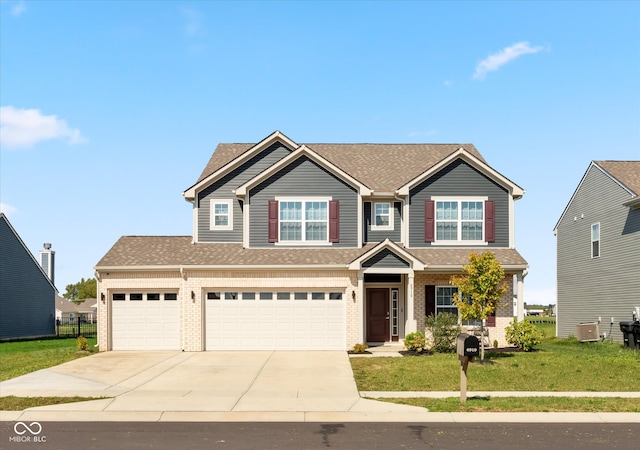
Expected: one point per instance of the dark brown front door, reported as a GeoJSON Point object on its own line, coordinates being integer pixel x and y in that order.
{"type": "Point", "coordinates": [377, 315]}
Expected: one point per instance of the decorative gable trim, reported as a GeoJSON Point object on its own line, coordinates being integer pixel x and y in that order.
{"type": "Point", "coordinates": [276, 136]}
{"type": "Point", "coordinates": [515, 190]}
{"type": "Point", "coordinates": [299, 152]}
{"type": "Point", "coordinates": [414, 262]}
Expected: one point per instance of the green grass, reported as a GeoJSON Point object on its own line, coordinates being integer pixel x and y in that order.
{"type": "Point", "coordinates": [524, 404]}
{"type": "Point", "coordinates": [11, 403]}
{"type": "Point", "coordinates": [559, 365]}
{"type": "Point", "coordinates": [22, 357]}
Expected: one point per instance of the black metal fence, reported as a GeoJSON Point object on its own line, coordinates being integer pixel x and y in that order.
{"type": "Point", "coordinates": [76, 326]}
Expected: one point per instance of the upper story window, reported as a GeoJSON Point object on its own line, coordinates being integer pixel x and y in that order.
{"type": "Point", "coordinates": [303, 220]}
{"type": "Point", "coordinates": [595, 240]}
{"type": "Point", "coordinates": [460, 220]}
{"type": "Point", "coordinates": [311, 221]}
{"type": "Point", "coordinates": [382, 216]}
{"type": "Point", "coordinates": [221, 214]}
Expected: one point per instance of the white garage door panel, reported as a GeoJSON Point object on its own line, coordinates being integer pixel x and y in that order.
{"type": "Point", "coordinates": [145, 325]}
{"type": "Point", "coordinates": [275, 324]}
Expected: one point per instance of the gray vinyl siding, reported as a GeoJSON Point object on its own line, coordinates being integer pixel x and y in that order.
{"type": "Point", "coordinates": [458, 179]}
{"type": "Point", "coordinates": [385, 259]}
{"type": "Point", "coordinates": [303, 178]}
{"type": "Point", "coordinates": [607, 286]}
{"type": "Point", "coordinates": [27, 299]}
{"type": "Point", "coordinates": [371, 235]}
{"type": "Point", "coordinates": [223, 189]}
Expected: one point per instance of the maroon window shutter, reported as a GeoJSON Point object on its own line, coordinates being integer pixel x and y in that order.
{"type": "Point", "coordinates": [334, 221]}
{"type": "Point", "coordinates": [429, 222]}
{"type": "Point", "coordinates": [273, 221]}
{"type": "Point", "coordinates": [430, 300]}
{"type": "Point", "coordinates": [491, 320]}
{"type": "Point", "coordinates": [489, 221]}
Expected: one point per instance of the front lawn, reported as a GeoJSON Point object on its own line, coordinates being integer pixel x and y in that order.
{"type": "Point", "coordinates": [22, 357]}
{"type": "Point", "coordinates": [560, 365]}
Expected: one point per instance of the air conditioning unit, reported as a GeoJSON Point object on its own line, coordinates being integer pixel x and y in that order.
{"type": "Point", "coordinates": [587, 332]}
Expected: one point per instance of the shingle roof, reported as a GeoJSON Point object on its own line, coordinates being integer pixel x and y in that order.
{"type": "Point", "coordinates": [381, 167]}
{"type": "Point", "coordinates": [173, 251]}
{"type": "Point", "coordinates": [626, 172]}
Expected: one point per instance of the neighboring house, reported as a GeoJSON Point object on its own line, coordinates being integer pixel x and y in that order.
{"type": "Point", "coordinates": [316, 246]}
{"type": "Point", "coordinates": [66, 310]}
{"type": "Point", "coordinates": [27, 294]}
{"type": "Point", "coordinates": [598, 249]}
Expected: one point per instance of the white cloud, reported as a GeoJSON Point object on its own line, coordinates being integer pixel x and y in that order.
{"type": "Point", "coordinates": [26, 127]}
{"type": "Point", "coordinates": [497, 60]}
{"type": "Point", "coordinates": [19, 9]}
{"type": "Point", "coordinates": [8, 209]}
{"type": "Point", "coordinates": [193, 21]}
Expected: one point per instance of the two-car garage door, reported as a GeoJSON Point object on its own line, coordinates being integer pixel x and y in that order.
{"type": "Point", "coordinates": [283, 320]}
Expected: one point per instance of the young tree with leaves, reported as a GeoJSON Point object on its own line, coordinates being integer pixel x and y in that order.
{"type": "Point", "coordinates": [480, 289]}
{"type": "Point", "coordinates": [81, 290]}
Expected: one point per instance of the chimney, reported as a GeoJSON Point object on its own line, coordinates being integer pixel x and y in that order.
{"type": "Point", "coordinates": [47, 261]}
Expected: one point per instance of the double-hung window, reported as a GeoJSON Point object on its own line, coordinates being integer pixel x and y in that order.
{"type": "Point", "coordinates": [444, 302]}
{"type": "Point", "coordinates": [221, 214]}
{"type": "Point", "coordinates": [382, 216]}
{"type": "Point", "coordinates": [303, 220]}
{"type": "Point", "coordinates": [595, 240]}
{"type": "Point", "coordinates": [459, 220]}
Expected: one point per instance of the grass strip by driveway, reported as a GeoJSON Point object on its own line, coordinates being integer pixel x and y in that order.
{"type": "Point", "coordinates": [559, 365]}
{"type": "Point", "coordinates": [22, 357]}
{"type": "Point", "coordinates": [524, 404]}
{"type": "Point", "coordinates": [12, 403]}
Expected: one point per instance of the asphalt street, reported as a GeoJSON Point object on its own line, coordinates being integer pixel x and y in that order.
{"type": "Point", "coordinates": [282, 435]}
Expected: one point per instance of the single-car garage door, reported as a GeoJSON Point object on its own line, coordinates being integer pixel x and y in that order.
{"type": "Point", "coordinates": [285, 320]}
{"type": "Point", "coordinates": [145, 321]}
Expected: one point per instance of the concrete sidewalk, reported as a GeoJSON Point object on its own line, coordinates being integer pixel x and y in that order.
{"type": "Point", "coordinates": [235, 386]}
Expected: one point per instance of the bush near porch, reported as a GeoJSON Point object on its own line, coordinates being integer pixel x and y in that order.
{"type": "Point", "coordinates": [559, 365]}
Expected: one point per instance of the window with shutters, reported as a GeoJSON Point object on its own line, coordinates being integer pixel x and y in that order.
{"type": "Point", "coordinates": [460, 220]}
{"type": "Point", "coordinates": [303, 220]}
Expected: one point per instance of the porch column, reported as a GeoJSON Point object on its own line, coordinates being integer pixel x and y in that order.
{"type": "Point", "coordinates": [411, 324]}
{"type": "Point", "coordinates": [520, 296]}
{"type": "Point", "coordinates": [360, 300]}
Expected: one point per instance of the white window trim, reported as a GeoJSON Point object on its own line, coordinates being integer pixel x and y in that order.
{"type": "Point", "coordinates": [212, 215]}
{"type": "Point", "coordinates": [459, 240]}
{"type": "Point", "coordinates": [599, 240]}
{"type": "Point", "coordinates": [303, 200]}
{"type": "Point", "coordinates": [453, 305]}
{"type": "Point", "coordinates": [375, 227]}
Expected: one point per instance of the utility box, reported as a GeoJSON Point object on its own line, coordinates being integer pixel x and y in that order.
{"type": "Point", "coordinates": [468, 346]}
{"type": "Point", "coordinates": [587, 332]}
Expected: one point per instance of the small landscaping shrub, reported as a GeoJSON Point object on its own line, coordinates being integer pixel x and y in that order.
{"type": "Point", "coordinates": [523, 335]}
{"type": "Point", "coordinates": [444, 330]}
{"type": "Point", "coordinates": [415, 342]}
{"type": "Point", "coordinates": [360, 348]}
{"type": "Point", "coordinates": [82, 343]}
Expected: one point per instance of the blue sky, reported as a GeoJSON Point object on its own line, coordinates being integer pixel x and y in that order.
{"type": "Point", "coordinates": [111, 109]}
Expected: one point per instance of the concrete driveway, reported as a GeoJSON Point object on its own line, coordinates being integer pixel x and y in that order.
{"type": "Point", "coordinates": [175, 382]}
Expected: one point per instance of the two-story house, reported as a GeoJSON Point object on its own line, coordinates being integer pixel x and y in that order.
{"type": "Point", "coordinates": [598, 250]}
{"type": "Point", "coordinates": [316, 246]}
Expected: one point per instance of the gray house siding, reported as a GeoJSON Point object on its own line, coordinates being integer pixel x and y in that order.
{"type": "Point", "coordinates": [370, 235]}
{"type": "Point", "coordinates": [458, 179]}
{"type": "Point", "coordinates": [607, 286]}
{"type": "Point", "coordinates": [385, 259]}
{"type": "Point", "coordinates": [303, 178]}
{"type": "Point", "coordinates": [223, 189]}
{"type": "Point", "coordinates": [27, 298]}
